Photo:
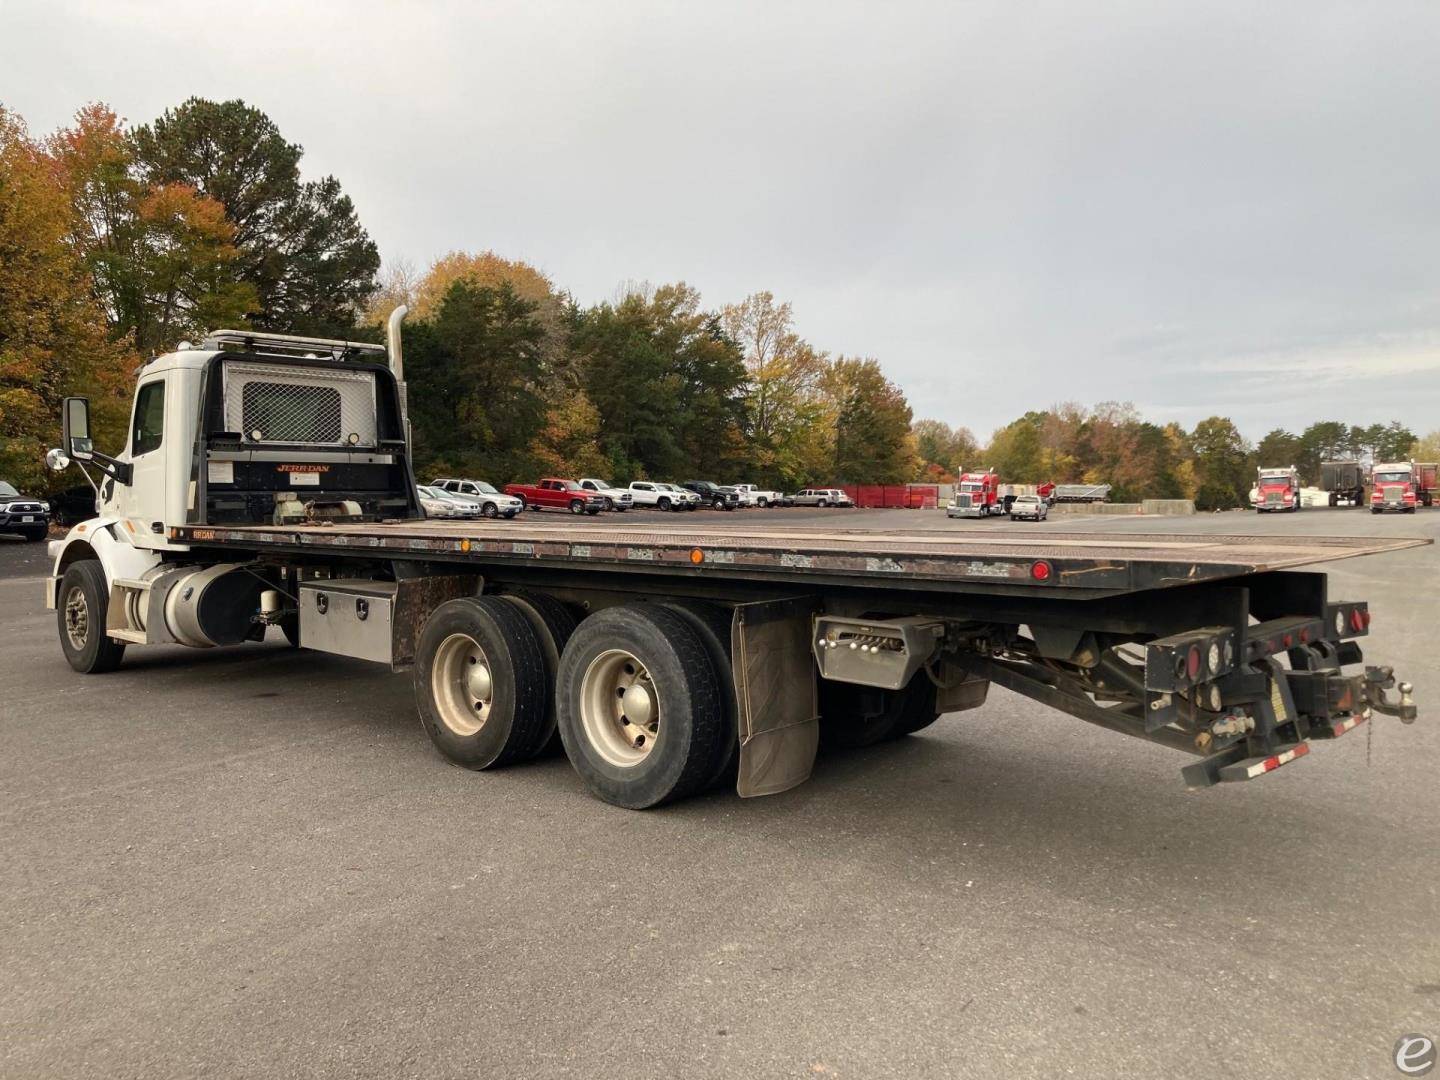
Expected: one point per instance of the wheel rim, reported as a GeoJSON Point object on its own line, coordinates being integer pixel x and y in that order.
{"type": "Point", "coordinates": [77, 617]}
{"type": "Point", "coordinates": [577, 506]}
{"type": "Point", "coordinates": [462, 684]}
{"type": "Point", "coordinates": [490, 510]}
{"type": "Point", "coordinates": [619, 708]}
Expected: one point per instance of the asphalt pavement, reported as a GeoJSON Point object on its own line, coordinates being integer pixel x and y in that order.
{"type": "Point", "coordinates": [250, 862]}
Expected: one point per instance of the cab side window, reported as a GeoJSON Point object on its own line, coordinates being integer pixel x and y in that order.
{"type": "Point", "coordinates": [149, 424]}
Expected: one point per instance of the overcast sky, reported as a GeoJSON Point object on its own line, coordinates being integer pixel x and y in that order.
{"type": "Point", "coordinates": [1199, 208]}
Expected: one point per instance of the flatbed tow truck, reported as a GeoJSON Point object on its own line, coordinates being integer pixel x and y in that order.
{"type": "Point", "coordinates": [267, 483]}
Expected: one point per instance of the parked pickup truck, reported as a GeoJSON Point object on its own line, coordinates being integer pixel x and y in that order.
{"type": "Point", "coordinates": [719, 498]}
{"type": "Point", "coordinates": [750, 495]}
{"type": "Point", "coordinates": [616, 498]}
{"type": "Point", "coordinates": [555, 494]}
{"type": "Point", "coordinates": [658, 496]}
{"type": "Point", "coordinates": [669, 661]}
{"type": "Point", "coordinates": [21, 514]}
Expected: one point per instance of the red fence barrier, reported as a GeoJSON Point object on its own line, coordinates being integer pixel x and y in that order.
{"type": "Point", "coordinates": [895, 496]}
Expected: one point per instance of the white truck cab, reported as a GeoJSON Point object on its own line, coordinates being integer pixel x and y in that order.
{"type": "Point", "coordinates": [259, 429]}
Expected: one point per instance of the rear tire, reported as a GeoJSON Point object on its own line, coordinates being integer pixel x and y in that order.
{"type": "Point", "coordinates": [639, 706]}
{"type": "Point", "coordinates": [712, 623]}
{"type": "Point", "coordinates": [553, 624]}
{"type": "Point", "coordinates": [822, 504]}
{"type": "Point", "coordinates": [80, 617]}
{"type": "Point", "coordinates": [480, 683]}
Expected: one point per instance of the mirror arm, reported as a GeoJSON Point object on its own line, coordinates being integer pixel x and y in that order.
{"type": "Point", "coordinates": [119, 471]}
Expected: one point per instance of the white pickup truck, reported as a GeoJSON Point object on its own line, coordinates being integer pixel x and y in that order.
{"type": "Point", "coordinates": [616, 498]}
{"type": "Point", "coordinates": [658, 496]}
{"type": "Point", "coordinates": [750, 495]}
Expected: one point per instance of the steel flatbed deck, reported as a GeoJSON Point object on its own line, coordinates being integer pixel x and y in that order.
{"type": "Point", "coordinates": [1073, 565]}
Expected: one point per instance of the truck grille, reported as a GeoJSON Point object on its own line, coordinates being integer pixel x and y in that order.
{"type": "Point", "coordinates": [25, 508]}
{"type": "Point", "coordinates": [1394, 496]}
{"type": "Point", "coordinates": [1272, 499]}
{"type": "Point", "coordinates": [964, 501]}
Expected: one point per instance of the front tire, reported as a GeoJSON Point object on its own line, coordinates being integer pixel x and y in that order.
{"type": "Point", "coordinates": [80, 616]}
{"type": "Point", "coordinates": [639, 706]}
{"type": "Point", "coordinates": [663, 504]}
{"type": "Point", "coordinates": [480, 683]}
{"type": "Point", "coordinates": [577, 506]}
{"type": "Point", "coordinates": [33, 535]}
{"type": "Point", "coordinates": [490, 510]}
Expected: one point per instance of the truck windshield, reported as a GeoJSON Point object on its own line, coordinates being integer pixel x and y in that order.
{"type": "Point", "coordinates": [1392, 477]}
{"type": "Point", "coordinates": [971, 487]}
{"type": "Point", "coordinates": [7, 491]}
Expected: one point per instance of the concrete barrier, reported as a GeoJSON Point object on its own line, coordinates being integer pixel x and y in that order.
{"type": "Point", "coordinates": [1087, 509]}
{"type": "Point", "coordinates": [1164, 507]}
{"type": "Point", "coordinates": [1170, 507]}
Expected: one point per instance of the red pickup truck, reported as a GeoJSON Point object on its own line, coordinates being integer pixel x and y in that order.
{"type": "Point", "coordinates": [557, 495]}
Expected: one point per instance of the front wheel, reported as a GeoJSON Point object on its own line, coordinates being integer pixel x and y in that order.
{"type": "Point", "coordinates": [490, 510]}
{"type": "Point", "coordinates": [592, 510]}
{"type": "Point", "coordinates": [639, 706]}
{"type": "Point", "coordinates": [577, 506]}
{"type": "Point", "coordinates": [80, 614]}
{"type": "Point", "coordinates": [609, 503]}
{"type": "Point", "coordinates": [663, 504]}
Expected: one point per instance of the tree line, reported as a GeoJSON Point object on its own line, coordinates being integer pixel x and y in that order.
{"type": "Point", "coordinates": [1112, 444]}
{"type": "Point", "coordinates": [117, 242]}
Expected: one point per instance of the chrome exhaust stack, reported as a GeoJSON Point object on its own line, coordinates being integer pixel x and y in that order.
{"type": "Point", "coordinates": [396, 352]}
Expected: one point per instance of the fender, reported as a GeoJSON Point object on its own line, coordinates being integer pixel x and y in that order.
{"type": "Point", "coordinates": [99, 538]}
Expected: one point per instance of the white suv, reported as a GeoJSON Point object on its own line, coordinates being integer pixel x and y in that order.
{"type": "Point", "coordinates": [822, 497]}
{"type": "Point", "coordinates": [615, 498]}
{"type": "Point", "coordinates": [492, 503]}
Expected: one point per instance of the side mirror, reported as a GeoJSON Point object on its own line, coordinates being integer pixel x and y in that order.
{"type": "Point", "coordinates": [56, 461]}
{"type": "Point", "coordinates": [75, 422]}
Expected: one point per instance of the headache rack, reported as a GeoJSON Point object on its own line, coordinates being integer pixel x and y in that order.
{"type": "Point", "coordinates": [253, 341]}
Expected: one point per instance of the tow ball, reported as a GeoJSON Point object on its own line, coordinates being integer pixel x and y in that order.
{"type": "Point", "coordinates": [1379, 681]}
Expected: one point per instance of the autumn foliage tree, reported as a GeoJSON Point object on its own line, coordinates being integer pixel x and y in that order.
{"type": "Point", "coordinates": [53, 339]}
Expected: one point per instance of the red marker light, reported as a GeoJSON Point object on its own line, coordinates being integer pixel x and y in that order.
{"type": "Point", "coordinates": [1304, 635]}
{"type": "Point", "coordinates": [1192, 661]}
{"type": "Point", "coordinates": [1040, 571]}
{"type": "Point", "coordinates": [1357, 620]}
{"type": "Point", "coordinates": [1364, 617]}
{"type": "Point", "coordinates": [1288, 640]}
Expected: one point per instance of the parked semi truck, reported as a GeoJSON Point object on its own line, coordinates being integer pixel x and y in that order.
{"type": "Point", "coordinates": [266, 487]}
{"type": "Point", "coordinates": [977, 494]}
{"type": "Point", "coordinates": [1401, 486]}
{"type": "Point", "coordinates": [1344, 481]}
{"type": "Point", "coordinates": [1277, 490]}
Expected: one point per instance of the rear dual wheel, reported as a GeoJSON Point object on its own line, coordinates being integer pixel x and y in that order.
{"type": "Point", "coordinates": [481, 684]}
{"type": "Point", "coordinates": [639, 706]}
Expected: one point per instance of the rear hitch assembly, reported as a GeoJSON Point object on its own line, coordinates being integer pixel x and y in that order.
{"type": "Point", "coordinates": [1378, 682]}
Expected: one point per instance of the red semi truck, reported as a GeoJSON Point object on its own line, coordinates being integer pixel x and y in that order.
{"type": "Point", "coordinates": [1277, 489]}
{"type": "Point", "coordinates": [977, 494]}
{"type": "Point", "coordinates": [1402, 485]}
